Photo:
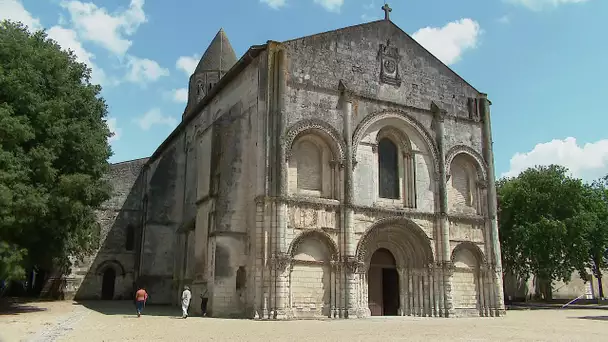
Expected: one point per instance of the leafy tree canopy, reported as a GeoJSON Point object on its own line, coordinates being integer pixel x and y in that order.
{"type": "Point", "coordinates": [596, 232]}
{"type": "Point", "coordinates": [543, 218]}
{"type": "Point", "coordinates": [53, 152]}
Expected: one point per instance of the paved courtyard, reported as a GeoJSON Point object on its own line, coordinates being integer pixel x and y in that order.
{"type": "Point", "coordinates": [114, 321]}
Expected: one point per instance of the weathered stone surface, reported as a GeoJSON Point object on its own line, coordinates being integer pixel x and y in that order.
{"type": "Point", "coordinates": [250, 201]}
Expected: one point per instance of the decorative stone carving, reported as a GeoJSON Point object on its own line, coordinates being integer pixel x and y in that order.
{"type": "Point", "coordinates": [389, 64]}
{"type": "Point", "coordinates": [354, 266]}
{"type": "Point", "coordinates": [336, 142]}
{"type": "Point", "coordinates": [398, 114]}
{"type": "Point", "coordinates": [312, 218]}
{"type": "Point", "coordinates": [482, 184]}
{"type": "Point", "coordinates": [280, 261]}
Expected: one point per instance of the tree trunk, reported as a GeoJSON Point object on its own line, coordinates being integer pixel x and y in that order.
{"type": "Point", "coordinates": [599, 284]}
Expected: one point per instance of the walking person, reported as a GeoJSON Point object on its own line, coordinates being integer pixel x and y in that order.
{"type": "Point", "coordinates": [186, 297]}
{"type": "Point", "coordinates": [141, 296]}
{"type": "Point", "coordinates": [204, 301]}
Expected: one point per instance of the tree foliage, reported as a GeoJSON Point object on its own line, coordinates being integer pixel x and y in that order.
{"type": "Point", "coordinates": [596, 232]}
{"type": "Point", "coordinates": [53, 152]}
{"type": "Point", "coordinates": [543, 220]}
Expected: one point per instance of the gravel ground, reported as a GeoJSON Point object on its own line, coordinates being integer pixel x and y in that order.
{"type": "Point", "coordinates": [115, 321]}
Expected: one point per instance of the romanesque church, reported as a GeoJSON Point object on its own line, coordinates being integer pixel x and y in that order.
{"type": "Point", "coordinates": [344, 174]}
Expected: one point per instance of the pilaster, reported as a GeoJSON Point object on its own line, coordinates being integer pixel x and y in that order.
{"type": "Point", "coordinates": [488, 155]}
{"type": "Point", "coordinates": [348, 228]}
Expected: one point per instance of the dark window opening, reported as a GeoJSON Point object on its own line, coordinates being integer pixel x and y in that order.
{"type": "Point", "coordinates": [130, 243]}
{"type": "Point", "coordinates": [388, 169]}
{"type": "Point", "coordinates": [241, 278]}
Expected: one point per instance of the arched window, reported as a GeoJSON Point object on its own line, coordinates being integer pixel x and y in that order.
{"type": "Point", "coordinates": [130, 243]}
{"type": "Point", "coordinates": [388, 169]}
{"type": "Point", "coordinates": [462, 189]}
{"type": "Point", "coordinates": [310, 171]}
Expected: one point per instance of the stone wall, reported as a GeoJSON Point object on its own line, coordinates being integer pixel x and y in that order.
{"type": "Point", "coordinates": [385, 104]}
{"type": "Point", "coordinates": [120, 216]}
{"type": "Point", "coordinates": [222, 169]}
{"type": "Point", "coordinates": [518, 290]}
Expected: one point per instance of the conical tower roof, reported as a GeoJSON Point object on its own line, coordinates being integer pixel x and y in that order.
{"type": "Point", "coordinates": [219, 55]}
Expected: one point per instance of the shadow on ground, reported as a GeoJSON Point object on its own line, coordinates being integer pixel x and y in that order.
{"type": "Point", "coordinates": [593, 318]}
{"type": "Point", "coordinates": [16, 306]}
{"type": "Point", "coordinates": [127, 308]}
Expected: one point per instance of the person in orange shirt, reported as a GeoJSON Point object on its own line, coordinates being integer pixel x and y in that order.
{"type": "Point", "coordinates": [141, 296]}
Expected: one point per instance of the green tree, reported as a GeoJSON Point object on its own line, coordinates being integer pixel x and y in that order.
{"type": "Point", "coordinates": [53, 152]}
{"type": "Point", "coordinates": [596, 232]}
{"type": "Point", "coordinates": [543, 222]}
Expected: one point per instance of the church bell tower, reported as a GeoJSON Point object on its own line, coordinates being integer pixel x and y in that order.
{"type": "Point", "coordinates": [216, 61]}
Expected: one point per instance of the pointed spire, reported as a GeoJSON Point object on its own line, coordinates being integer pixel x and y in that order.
{"type": "Point", "coordinates": [219, 56]}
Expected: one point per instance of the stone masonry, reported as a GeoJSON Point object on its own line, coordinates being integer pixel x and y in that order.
{"type": "Point", "coordinates": [344, 174]}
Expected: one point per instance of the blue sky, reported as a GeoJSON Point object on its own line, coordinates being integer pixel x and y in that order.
{"type": "Point", "coordinates": [542, 62]}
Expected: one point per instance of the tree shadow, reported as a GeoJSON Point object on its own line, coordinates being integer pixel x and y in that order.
{"type": "Point", "coordinates": [16, 306]}
{"type": "Point", "coordinates": [127, 308]}
{"type": "Point", "coordinates": [593, 318]}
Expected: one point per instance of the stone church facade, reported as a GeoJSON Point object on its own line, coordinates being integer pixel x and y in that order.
{"type": "Point", "coordinates": [344, 174]}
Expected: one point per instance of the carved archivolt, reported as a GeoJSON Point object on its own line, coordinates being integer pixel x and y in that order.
{"type": "Point", "coordinates": [471, 247]}
{"type": "Point", "coordinates": [397, 234]}
{"type": "Point", "coordinates": [369, 120]}
{"type": "Point", "coordinates": [315, 126]}
{"type": "Point", "coordinates": [314, 234]}
{"type": "Point", "coordinates": [480, 164]}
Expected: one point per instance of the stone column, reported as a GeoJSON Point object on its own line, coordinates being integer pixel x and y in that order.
{"type": "Point", "coordinates": [282, 266]}
{"type": "Point", "coordinates": [444, 228]}
{"type": "Point", "coordinates": [448, 273]}
{"type": "Point", "coordinates": [401, 311]}
{"type": "Point", "coordinates": [348, 229]}
{"type": "Point", "coordinates": [488, 154]}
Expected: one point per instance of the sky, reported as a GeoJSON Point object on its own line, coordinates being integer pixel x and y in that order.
{"type": "Point", "coordinates": [541, 62]}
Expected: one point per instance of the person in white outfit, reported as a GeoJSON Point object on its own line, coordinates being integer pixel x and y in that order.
{"type": "Point", "coordinates": [186, 297]}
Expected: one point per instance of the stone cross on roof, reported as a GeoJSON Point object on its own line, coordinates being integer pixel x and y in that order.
{"type": "Point", "coordinates": [387, 9]}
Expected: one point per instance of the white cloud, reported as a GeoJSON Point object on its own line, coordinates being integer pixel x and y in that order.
{"type": "Point", "coordinates": [449, 42]}
{"type": "Point", "coordinates": [143, 70]}
{"type": "Point", "coordinates": [109, 30]}
{"type": "Point", "coordinates": [68, 40]}
{"type": "Point", "coordinates": [538, 5]}
{"type": "Point", "coordinates": [155, 117]}
{"type": "Point", "coordinates": [505, 19]}
{"type": "Point", "coordinates": [275, 4]}
{"type": "Point", "coordinates": [187, 64]}
{"type": "Point", "coordinates": [14, 10]}
{"type": "Point", "coordinates": [112, 125]}
{"type": "Point", "coordinates": [372, 12]}
{"type": "Point", "coordinates": [179, 95]}
{"type": "Point", "coordinates": [330, 5]}
{"type": "Point", "coordinates": [589, 161]}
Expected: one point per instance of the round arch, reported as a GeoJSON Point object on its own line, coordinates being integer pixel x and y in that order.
{"type": "Point", "coordinates": [371, 119]}
{"type": "Point", "coordinates": [115, 264]}
{"type": "Point", "coordinates": [472, 248]}
{"type": "Point", "coordinates": [406, 240]}
{"type": "Point", "coordinates": [318, 234]}
{"type": "Point", "coordinates": [396, 136]}
{"type": "Point", "coordinates": [317, 127]}
{"type": "Point", "coordinates": [471, 154]}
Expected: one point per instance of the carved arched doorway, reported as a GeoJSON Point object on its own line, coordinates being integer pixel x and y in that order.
{"type": "Point", "coordinates": [383, 284]}
{"type": "Point", "coordinates": [108, 284]}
